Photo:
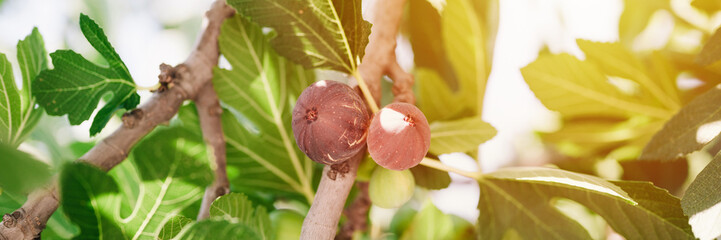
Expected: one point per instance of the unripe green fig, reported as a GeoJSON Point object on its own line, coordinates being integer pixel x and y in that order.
{"type": "Point", "coordinates": [330, 122]}
{"type": "Point", "coordinates": [399, 136]}
{"type": "Point", "coordinates": [286, 224]}
{"type": "Point", "coordinates": [390, 188]}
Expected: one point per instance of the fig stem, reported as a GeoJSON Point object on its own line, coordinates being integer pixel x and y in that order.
{"type": "Point", "coordinates": [366, 92]}
{"type": "Point", "coordinates": [432, 163]}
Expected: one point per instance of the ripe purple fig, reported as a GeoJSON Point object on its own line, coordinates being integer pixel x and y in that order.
{"type": "Point", "coordinates": [330, 122]}
{"type": "Point", "coordinates": [399, 136]}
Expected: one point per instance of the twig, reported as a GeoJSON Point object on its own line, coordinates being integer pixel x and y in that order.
{"type": "Point", "coordinates": [189, 78]}
{"type": "Point", "coordinates": [322, 219]}
{"type": "Point", "coordinates": [356, 213]}
{"type": "Point", "coordinates": [380, 59]}
{"type": "Point", "coordinates": [209, 111]}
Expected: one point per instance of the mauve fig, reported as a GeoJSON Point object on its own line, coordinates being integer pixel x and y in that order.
{"type": "Point", "coordinates": [330, 122]}
{"type": "Point", "coordinates": [399, 136]}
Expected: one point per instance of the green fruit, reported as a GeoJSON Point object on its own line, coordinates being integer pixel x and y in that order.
{"type": "Point", "coordinates": [286, 224]}
{"type": "Point", "coordinates": [390, 188]}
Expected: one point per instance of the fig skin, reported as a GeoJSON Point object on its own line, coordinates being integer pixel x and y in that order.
{"type": "Point", "coordinates": [399, 136]}
{"type": "Point", "coordinates": [330, 122]}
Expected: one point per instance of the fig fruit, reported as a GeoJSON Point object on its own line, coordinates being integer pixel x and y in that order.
{"type": "Point", "coordinates": [399, 136]}
{"type": "Point", "coordinates": [391, 189]}
{"type": "Point", "coordinates": [330, 122]}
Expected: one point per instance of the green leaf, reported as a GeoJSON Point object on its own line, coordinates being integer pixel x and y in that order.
{"type": "Point", "coordinates": [170, 168]}
{"type": "Point", "coordinates": [10, 105]}
{"type": "Point", "coordinates": [236, 208]}
{"type": "Point", "coordinates": [232, 212]}
{"type": "Point", "coordinates": [461, 135]}
{"type": "Point", "coordinates": [173, 227]}
{"type": "Point", "coordinates": [577, 88]}
{"type": "Point", "coordinates": [429, 223]}
{"type": "Point", "coordinates": [76, 85]}
{"type": "Point", "coordinates": [702, 201]}
{"type": "Point", "coordinates": [424, 24]}
{"type": "Point", "coordinates": [469, 45]}
{"type": "Point", "coordinates": [218, 229]}
{"type": "Point", "coordinates": [32, 59]}
{"type": "Point", "coordinates": [20, 172]}
{"type": "Point", "coordinates": [436, 99]}
{"type": "Point", "coordinates": [689, 130]}
{"type": "Point", "coordinates": [314, 33]}
{"type": "Point", "coordinates": [260, 92]}
{"type": "Point", "coordinates": [17, 108]}
{"type": "Point", "coordinates": [518, 200]}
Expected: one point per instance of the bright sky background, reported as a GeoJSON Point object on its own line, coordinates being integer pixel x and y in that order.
{"type": "Point", "coordinates": [147, 33]}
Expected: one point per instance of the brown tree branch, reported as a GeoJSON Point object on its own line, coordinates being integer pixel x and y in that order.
{"type": "Point", "coordinates": [188, 78]}
{"type": "Point", "coordinates": [209, 111]}
{"type": "Point", "coordinates": [380, 59]}
{"type": "Point", "coordinates": [324, 214]}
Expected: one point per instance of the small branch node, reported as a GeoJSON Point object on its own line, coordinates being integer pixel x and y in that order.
{"type": "Point", "coordinates": [132, 117]}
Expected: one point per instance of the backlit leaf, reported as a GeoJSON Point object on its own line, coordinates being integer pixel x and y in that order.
{"type": "Point", "coordinates": [468, 43]}
{"type": "Point", "coordinates": [461, 135]}
{"type": "Point", "coordinates": [435, 98]}
{"type": "Point", "coordinates": [518, 200]}
{"type": "Point", "coordinates": [635, 17]}
{"type": "Point", "coordinates": [76, 85]}
{"type": "Point", "coordinates": [18, 115]}
{"type": "Point", "coordinates": [230, 214]}
{"type": "Point", "coordinates": [576, 88]}
{"type": "Point", "coordinates": [314, 33]}
{"type": "Point", "coordinates": [173, 227]}
{"type": "Point", "coordinates": [702, 201]}
{"type": "Point", "coordinates": [260, 92]}
{"type": "Point", "coordinates": [172, 172]}
{"type": "Point", "coordinates": [235, 207]}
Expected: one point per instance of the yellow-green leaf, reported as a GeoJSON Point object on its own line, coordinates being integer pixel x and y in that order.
{"type": "Point", "coordinates": [461, 135]}
{"type": "Point", "coordinates": [468, 45]}
{"type": "Point", "coordinates": [577, 88]}
{"type": "Point", "coordinates": [435, 98]}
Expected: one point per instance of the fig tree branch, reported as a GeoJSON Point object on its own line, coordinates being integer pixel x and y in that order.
{"type": "Point", "coordinates": [379, 60]}
{"type": "Point", "coordinates": [209, 111]}
{"type": "Point", "coordinates": [187, 79]}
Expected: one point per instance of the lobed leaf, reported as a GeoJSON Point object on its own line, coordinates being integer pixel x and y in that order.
{"type": "Point", "coordinates": [170, 169]}
{"type": "Point", "coordinates": [17, 108]}
{"type": "Point", "coordinates": [259, 92]}
{"type": "Point", "coordinates": [76, 85]}
{"type": "Point", "coordinates": [512, 200]}
{"type": "Point", "coordinates": [314, 33]}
